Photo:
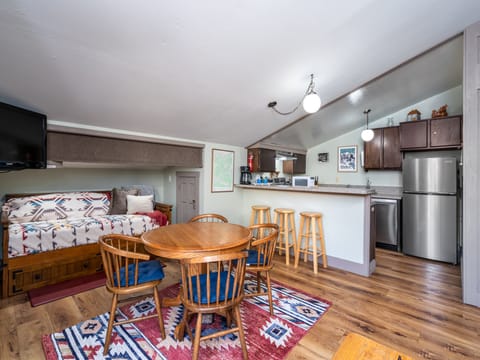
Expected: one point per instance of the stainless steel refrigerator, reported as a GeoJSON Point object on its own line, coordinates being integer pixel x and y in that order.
{"type": "Point", "coordinates": [430, 208]}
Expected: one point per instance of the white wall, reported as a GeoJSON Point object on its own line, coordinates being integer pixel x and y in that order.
{"type": "Point", "coordinates": [327, 172]}
{"type": "Point", "coordinates": [223, 203]}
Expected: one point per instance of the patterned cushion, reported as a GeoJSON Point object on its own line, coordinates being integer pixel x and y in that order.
{"type": "Point", "coordinates": [57, 206]}
{"type": "Point", "coordinates": [34, 237]}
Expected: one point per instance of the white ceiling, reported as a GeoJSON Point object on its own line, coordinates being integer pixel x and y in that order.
{"type": "Point", "coordinates": [206, 70]}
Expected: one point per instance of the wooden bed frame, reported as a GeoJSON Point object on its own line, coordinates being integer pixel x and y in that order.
{"type": "Point", "coordinates": [23, 273]}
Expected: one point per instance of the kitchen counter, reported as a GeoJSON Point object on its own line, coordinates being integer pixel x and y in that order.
{"type": "Point", "coordinates": [391, 192]}
{"type": "Point", "coordinates": [323, 188]}
{"type": "Point", "coordinates": [346, 218]}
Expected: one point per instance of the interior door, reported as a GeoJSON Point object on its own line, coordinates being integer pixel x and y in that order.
{"type": "Point", "coordinates": [187, 195]}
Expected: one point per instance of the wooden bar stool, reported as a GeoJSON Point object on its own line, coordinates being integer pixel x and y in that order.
{"type": "Point", "coordinates": [311, 231]}
{"type": "Point", "coordinates": [260, 215]}
{"type": "Point", "coordinates": [285, 219]}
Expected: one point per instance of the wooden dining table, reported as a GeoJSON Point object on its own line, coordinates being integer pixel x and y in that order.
{"type": "Point", "coordinates": [182, 241]}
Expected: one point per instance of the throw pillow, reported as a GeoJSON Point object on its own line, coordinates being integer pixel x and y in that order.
{"type": "Point", "coordinates": [139, 204]}
{"type": "Point", "coordinates": [119, 200]}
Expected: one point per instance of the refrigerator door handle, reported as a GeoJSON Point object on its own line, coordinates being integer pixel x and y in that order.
{"type": "Point", "coordinates": [429, 193]}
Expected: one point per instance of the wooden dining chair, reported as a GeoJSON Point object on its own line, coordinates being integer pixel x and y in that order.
{"type": "Point", "coordinates": [129, 270]}
{"type": "Point", "coordinates": [209, 218]}
{"type": "Point", "coordinates": [260, 257]}
{"type": "Point", "coordinates": [217, 289]}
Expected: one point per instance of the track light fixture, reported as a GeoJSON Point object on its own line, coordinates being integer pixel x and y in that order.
{"type": "Point", "coordinates": [367, 134]}
{"type": "Point", "coordinates": [311, 101]}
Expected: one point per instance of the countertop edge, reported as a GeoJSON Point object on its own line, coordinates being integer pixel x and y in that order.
{"type": "Point", "coordinates": [344, 190]}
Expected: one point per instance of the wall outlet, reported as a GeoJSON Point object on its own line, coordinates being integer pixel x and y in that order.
{"type": "Point", "coordinates": [337, 179]}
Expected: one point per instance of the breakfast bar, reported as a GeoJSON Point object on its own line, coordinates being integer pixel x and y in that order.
{"type": "Point", "coordinates": [346, 218]}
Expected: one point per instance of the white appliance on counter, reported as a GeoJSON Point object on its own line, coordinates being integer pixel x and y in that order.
{"type": "Point", "coordinates": [306, 181]}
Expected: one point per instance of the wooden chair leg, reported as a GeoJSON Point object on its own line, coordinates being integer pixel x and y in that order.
{"type": "Point", "coordinates": [286, 238]}
{"type": "Point", "coordinates": [269, 290]}
{"type": "Point", "coordinates": [258, 282]}
{"type": "Point", "coordinates": [298, 253]}
{"type": "Point", "coordinates": [314, 245]}
{"type": "Point", "coordinates": [241, 334]}
{"type": "Point", "coordinates": [180, 335]}
{"type": "Point", "coordinates": [113, 310]}
{"type": "Point", "coordinates": [322, 244]}
{"type": "Point", "coordinates": [307, 241]}
{"type": "Point", "coordinates": [196, 341]}
{"type": "Point", "coordinates": [294, 235]}
{"type": "Point", "coordinates": [159, 312]}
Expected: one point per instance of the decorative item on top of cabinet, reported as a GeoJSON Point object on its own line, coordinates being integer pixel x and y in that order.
{"type": "Point", "coordinates": [298, 166]}
{"type": "Point", "coordinates": [441, 112]}
{"type": "Point", "coordinates": [263, 159]}
{"type": "Point", "coordinates": [414, 115]}
{"type": "Point", "coordinates": [431, 134]}
{"type": "Point", "coordinates": [383, 152]}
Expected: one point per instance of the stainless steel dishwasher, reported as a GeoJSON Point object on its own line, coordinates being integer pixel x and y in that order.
{"type": "Point", "coordinates": [387, 223]}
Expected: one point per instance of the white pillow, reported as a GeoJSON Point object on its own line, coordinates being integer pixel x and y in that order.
{"type": "Point", "coordinates": [139, 203]}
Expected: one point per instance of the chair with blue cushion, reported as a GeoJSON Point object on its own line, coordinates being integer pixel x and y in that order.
{"type": "Point", "coordinates": [213, 284]}
{"type": "Point", "coordinates": [129, 270]}
{"type": "Point", "coordinates": [260, 256]}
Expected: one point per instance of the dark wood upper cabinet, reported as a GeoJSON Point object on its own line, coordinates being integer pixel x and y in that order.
{"type": "Point", "coordinates": [392, 156]}
{"type": "Point", "coordinates": [413, 134]}
{"type": "Point", "coordinates": [431, 134]}
{"type": "Point", "coordinates": [446, 132]}
{"type": "Point", "coordinates": [383, 152]}
{"type": "Point", "coordinates": [263, 160]}
{"type": "Point", "coordinates": [298, 166]}
{"type": "Point", "coordinates": [374, 151]}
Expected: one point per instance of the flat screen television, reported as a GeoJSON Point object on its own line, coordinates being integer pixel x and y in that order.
{"type": "Point", "coordinates": [23, 138]}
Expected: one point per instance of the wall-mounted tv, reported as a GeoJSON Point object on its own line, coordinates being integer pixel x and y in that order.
{"type": "Point", "coordinates": [23, 138]}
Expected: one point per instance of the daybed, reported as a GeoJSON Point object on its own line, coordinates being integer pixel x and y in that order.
{"type": "Point", "coordinates": [49, 238]}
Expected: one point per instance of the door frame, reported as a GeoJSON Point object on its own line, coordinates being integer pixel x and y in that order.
{"type": "Point", "coordinates": [471, 166]}
{"type": "Point", "coordinates": [196, 175]}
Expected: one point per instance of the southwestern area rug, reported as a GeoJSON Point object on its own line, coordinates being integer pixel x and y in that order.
{"type": "Point", "coordinates": [267, 337]}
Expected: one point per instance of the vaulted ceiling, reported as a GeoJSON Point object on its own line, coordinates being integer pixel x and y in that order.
{"type": "Point", "coordinates": [206, 70]}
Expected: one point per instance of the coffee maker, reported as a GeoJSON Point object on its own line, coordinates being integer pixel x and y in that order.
{"type": "Point", "coordinates": [245, 175]}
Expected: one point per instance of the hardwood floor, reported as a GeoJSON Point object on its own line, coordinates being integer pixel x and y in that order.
{"type": "Point", "coordinates": [409, 304]}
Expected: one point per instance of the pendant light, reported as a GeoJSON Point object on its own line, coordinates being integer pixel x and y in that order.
{"type": "Point", "coordinates": [367, 134]}
{"type": "Point", "coordinates": [311, 102]}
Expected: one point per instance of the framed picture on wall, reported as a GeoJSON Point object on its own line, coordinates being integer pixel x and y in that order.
{"type": "Point", "coordinates": [323, 157]}
{"type": "Point", "coordinates": [222, 170]}
{"type": "Point", "coordinates": [347, 158]}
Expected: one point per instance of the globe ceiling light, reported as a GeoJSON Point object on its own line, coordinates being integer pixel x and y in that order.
{"type": "Point", "coordinates": [311, 101]}
{"type": "Point", "coordinates": [367, 134]}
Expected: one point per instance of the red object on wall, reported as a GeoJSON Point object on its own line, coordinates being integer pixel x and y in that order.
{"type": "Point", "coordinates": [250, 161]}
